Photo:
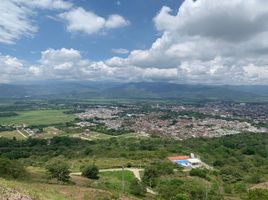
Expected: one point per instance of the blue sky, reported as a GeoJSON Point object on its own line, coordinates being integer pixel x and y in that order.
{"type": "Point", "coordinates": [52, 33]}
{"type": "Point", "coordinates": [181, 41]}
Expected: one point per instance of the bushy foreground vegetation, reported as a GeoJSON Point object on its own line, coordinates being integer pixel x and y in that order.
{"type": "Point", "coordinates": [239, 161]}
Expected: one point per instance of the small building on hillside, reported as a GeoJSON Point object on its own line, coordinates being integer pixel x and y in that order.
{"type": "Point", "coordinates": [195, 162]}
{"type": "Point", "coordinates": [186, 161]}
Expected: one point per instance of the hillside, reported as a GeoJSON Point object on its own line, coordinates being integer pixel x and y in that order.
{"type": "Point", "coordinates": [141, 90]}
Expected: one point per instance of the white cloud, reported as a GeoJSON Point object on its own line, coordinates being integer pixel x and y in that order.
{"type": "Point", "coordinates": [120, 51]}
{"type": "Point", "coordinates": [69, 64]}
{"type": "Point", "coordinates": [10, 64]}
{"type": "Point", "coordinates": [35, 71]}
{"type": "Point", "coordinates": [231, 20]}
{"type": "Point", "coordinates": [61, 56]}
{"type": "Point", "coordinates": [11, 68]}
{"type": "Point", "coordinates": [80, 20]}
{"type": "Point", "coordinates": [15, 23]}
{"type": "Point", "coordinates": [209, 41]}
{"type": "Point", "coordinates": [45, 4]}
{"type": "Point", "coordinates": [116, 21]}
{"type": "Point", "coordinates": [206, 41]}
{"type": "Point", "coordinates": [16, 17]}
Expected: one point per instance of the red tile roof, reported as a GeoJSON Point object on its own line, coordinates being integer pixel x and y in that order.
{"type": "Point", "coordinates": [178, 158]}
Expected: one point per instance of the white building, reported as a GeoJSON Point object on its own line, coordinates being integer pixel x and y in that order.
{"type": "Point", "coordinates": [194, 162]}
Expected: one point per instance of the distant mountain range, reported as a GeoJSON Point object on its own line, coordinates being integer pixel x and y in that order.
{"type": "Point", "coordinates": [141, 90]}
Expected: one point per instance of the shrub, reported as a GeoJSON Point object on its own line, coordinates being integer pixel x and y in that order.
{"type": "Point", "coordinates": [129, 165]}
{"type": "Point", "coordinates": [255, 178]}
{"type": "Point", "coordinates": [11, 169]}
{"type": "Point", "coordinates": [59, 170]}
{"type": "Point", "coordinates": [164, 168]}
{"type": "Point", "coordinates": [218, 163]}
{"type": "Point", "coordinates": [202, 173]}
{"type": "Point", "coordinates": [258, 194]}
{"type": "Point", "coordinates": [90, 172]}
{"type": "Point", "coordinates": [150, 175]}
{"type": "Point", "coordinates": [231, 174]}
{"type": "Point", "coordinates": [137, 188]}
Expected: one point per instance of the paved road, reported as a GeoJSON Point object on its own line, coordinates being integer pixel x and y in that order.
{"type": "Point", "coordinates": [135, 171]}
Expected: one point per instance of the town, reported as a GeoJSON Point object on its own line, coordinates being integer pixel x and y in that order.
{"type": "Point", "coordinates": [179, 121]}
{"type": "Point", "coordinates": [174, 121]}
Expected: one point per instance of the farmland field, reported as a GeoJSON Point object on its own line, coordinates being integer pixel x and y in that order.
{"type": "Point", "coordinates": [38, 117]}
{"type": "Point", "coordinates": [11, 134]}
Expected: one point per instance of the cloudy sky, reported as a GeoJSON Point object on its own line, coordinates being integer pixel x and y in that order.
{"type": "Point", "coordinates": [183, 41]}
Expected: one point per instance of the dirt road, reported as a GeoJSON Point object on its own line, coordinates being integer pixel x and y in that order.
{"type": "Point", "coordinates": [135, 171]}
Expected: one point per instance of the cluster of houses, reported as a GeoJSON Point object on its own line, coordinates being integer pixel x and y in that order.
{"type": "Point", "coordinates": [187, 161]}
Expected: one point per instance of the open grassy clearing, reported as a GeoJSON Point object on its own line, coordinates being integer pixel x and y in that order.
{"type": "Point", "coordinates": [38, 117]}
{"type": "Point", "coordinates": [11, 135]}
{"type": "Point", "coordinates": [50, 132]}
{"type": "Point", "coordinates": [114, 180]}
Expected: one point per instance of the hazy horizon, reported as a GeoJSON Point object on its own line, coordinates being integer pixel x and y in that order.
{"type": "Point", "coordinates": [188, 42]}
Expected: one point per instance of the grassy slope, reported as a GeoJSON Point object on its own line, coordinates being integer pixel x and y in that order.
{"type": "Point", "coordinates": [113, 180]}
{"type": "Point", "coordinates": [37, 186]}
{"type": "Point", "coordinates": [38, 117]}
{"type": "Point", "coordinates": [43, 191]}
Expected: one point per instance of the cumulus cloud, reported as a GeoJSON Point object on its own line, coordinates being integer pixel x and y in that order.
{"type": "Point", "coordinates": [227, 20]}
{"type": "Point", "coordinates": [205, 41]}
{"type": "Point", "coordinates": [16, 17]}
{"type": "Point", "coordinates": [11, 67]}
{"type": "Point", "coordinates": [209, 41]}
{"type": "Point", "coordinates": [116, 21]}
{"type": "Point", "coordinates": [80, 20]}
{"type": "Point", "coordinates": [69, 64]}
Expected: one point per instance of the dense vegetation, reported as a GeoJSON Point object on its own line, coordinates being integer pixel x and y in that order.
{"type": "Point", "coordinates": [11, 169]}
{"type": "Point", "coordinates": [239, 161]}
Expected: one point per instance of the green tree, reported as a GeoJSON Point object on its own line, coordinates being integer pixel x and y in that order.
{"type": "Point", "coordinates": [258, 194]}
{"type": "Point", "coordinates": [11, 169]}
{"type": "Point", "coordinates": [137, 188]}
{"type": "Point", "coordinates": [90, 172]}
{"type": "Point", "coordinates": [165, 168]}
{"type": "Point", "coordinates": [202, 173]}
{"type": "Point", "coordinates": [150, 176]}
{"type": "Point", "coordinates": [255, 178]}
{"type": "Point", "coordinates": [59, 169]}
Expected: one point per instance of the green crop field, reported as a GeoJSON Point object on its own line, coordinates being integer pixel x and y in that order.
{"type": "Point", "coordinates": [38, 117]}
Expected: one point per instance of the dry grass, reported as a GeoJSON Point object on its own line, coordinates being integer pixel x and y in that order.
{"type": "Point", "coordinates": [260, 186]}
{"type": "Point", "coordinates": [11, 134]}
{"type": "Point", "coordinates": [42, 191]}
